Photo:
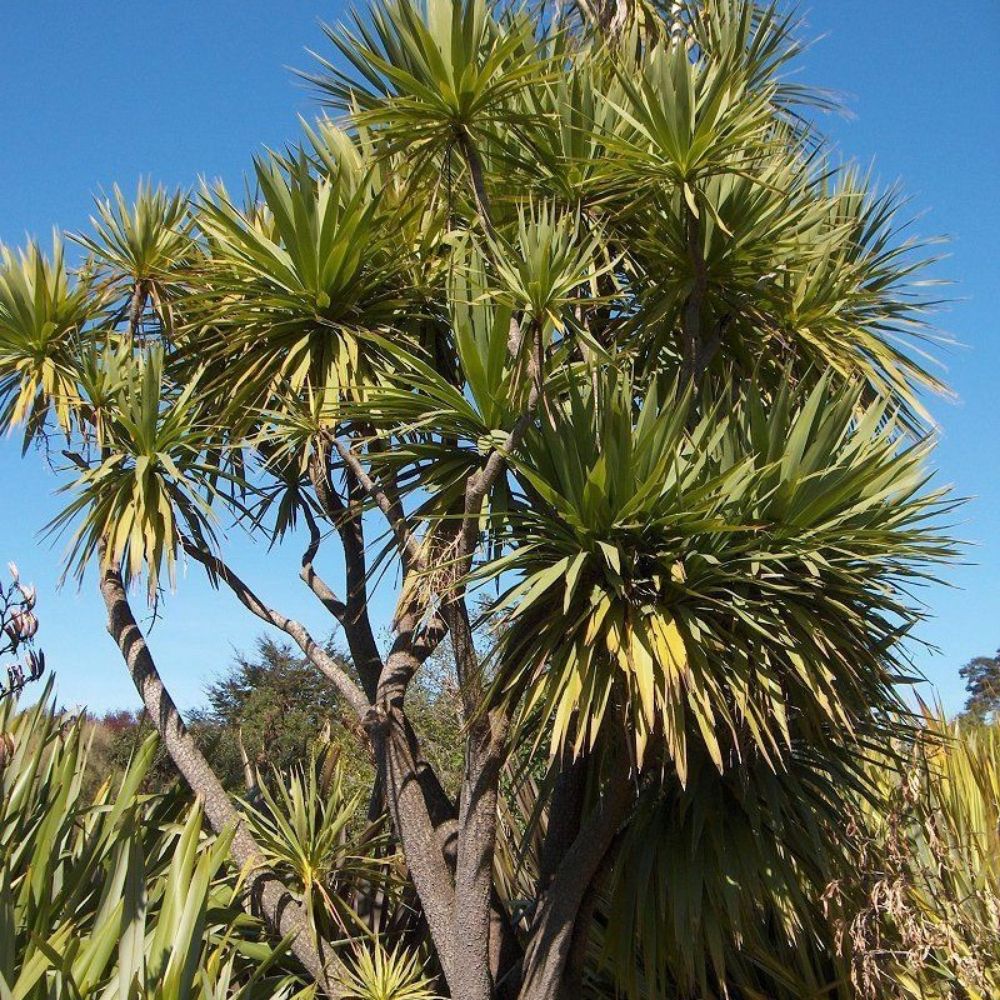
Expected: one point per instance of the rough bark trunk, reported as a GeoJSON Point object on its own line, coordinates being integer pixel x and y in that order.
{"type": "Point", "coordinates": [474, 870]}
{"type": "Point", "coordinates": [552, 929]}
{"type": "Point", "coordinates": [477, 817]}
{"type": "Point", "coordinates": [412, 805]}
{"type": "Point", "coordinates": [419, 838]}
{"type": "Point", "coordinates": [564, 817]}
{"type": "Point", "coordinates": [265, 895]}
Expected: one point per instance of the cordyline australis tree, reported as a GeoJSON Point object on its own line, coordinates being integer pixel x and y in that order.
{"type": "Point", "coordinates": [575, 305]}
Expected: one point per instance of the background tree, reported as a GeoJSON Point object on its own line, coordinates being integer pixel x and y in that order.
{"type": "Point", "coordinates": [270, 709]}
{"type": "Point", "coordinates": [572, 304]}
{"type": "Point", "coordinates": [982, 681]}
{"type": "Point", "coordinates": [266, 710]}
{"type": "Point", "coordinates": [280, 707]}
{"type": "Point", "coordinates": [272, 702]}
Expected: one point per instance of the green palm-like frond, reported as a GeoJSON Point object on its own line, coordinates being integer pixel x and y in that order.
{"type": "Point", "coordinates": [303, 822]}
{"type": "Point", "coordinates": [847, 296]}
{"type": "Point", "coordinates": [298, 282]}
{"type": "Point", "coordinates": [418, 224]}
{"type": "Point", "coordinates": [143, 243]}
{"type": "Point", "coordinates": [549, 257]}
{"type": "Point", "coordinates": [760, 40]}
{"type": "Point", "coordinates": [382, 974]}
{"type": "Point", "coordinates": [720, 883]}
{"type": "Point", "coordinates": [573, 114]}
{"type": "Point", "coordinates": [43, 314]}
{"type": "Point", "coordinates": [153, 481]}
{"type": "Point", "coordinates": [706, 584]}
{"type": "Point", "coordinates": [684, 120]}
{"type": "Point", "coordinates": [430, 69]}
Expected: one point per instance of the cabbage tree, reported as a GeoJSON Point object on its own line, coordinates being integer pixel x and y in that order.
{"type": "Point", "coordinates": [565, 325]}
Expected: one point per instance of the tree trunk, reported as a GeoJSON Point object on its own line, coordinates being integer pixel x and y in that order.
{"type": "Point", "coordinates": [474, 870]}
{"type": "Point", "coordinates": [266, 895]}
{"type": "Point", "coordinates": [552, 929]}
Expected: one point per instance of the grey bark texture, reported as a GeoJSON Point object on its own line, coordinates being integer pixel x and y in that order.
{"type": "Point", "coordinates": [266, 896]}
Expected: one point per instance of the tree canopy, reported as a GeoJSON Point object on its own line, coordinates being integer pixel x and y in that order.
{"type": "Point", "coordinates": [982, 681]}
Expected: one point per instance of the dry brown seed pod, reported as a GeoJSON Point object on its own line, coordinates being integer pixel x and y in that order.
{"type": "Point", "coordinates": [7, 748]}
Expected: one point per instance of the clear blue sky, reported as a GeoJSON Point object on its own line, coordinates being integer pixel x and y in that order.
{"type": "Point", "coordinates": [112, 91]}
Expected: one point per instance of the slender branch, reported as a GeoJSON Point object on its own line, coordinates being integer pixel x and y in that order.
{"type": "Point", "coordinates": [483, 480]}
{"type": "Point", "coordinates": [392, 740]}
{"type": "Point", "coordinates": [691, 319]}
{"type": "Point", "coordinates": [477, 831]}
{"type": "Point", "coordinates": [347, 519]}
{"type": "Point", "coordinates": [711, 347]}
{"type": "Point", "coordinates": [317, 655]}
{"type": "Point", "coordinates": [551, 935]}
{"type": "Point", "coordinates": [486, 735]}
{"type": "Point", "coordinates": [378, 446]}
{"type": "Point", "coordinates": [137, 305]}
{"type": "Point", "coordinates": [576, 961]}
{"type": "Point", "coordinates": [476, 174]}
{"type": "Point", "coordinates": [564, 816]}
{"type": "Point", "coordinates": [409, 547]}
{"type": "Point", "coordinates": [515, 337]}
{"type": "Point", "coordinates": [482, 938]}
{"type": "Point", "coordinates": [311, 578]}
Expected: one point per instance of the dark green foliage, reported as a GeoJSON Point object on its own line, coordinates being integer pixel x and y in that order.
{"type": "Point", "coordinates": [283, 709]}
{"type": "Point", "coordinates": [982, 681]}
{"type": "Point", "coordinates": [272, 700]}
